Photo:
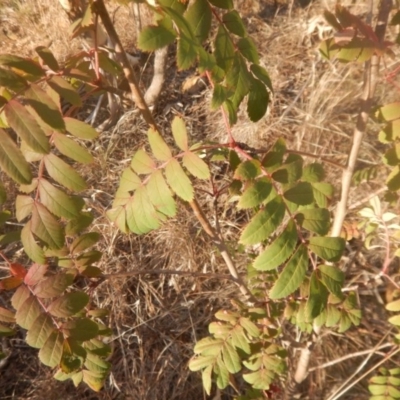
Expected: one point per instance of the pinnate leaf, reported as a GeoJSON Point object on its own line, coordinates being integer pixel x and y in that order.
{"type": "Point", "coordinates": [292, 275]}
{"type": "Point", "coordinates": [247, 170]}
{"type": "Point", "coordinates": [11, 80]}
{"type": "Point", "coordinates": [26, 65]}
{"type": "Point", "coordinates": [248, 49]}
{"type": "Point", "coordinates": [224, 50]}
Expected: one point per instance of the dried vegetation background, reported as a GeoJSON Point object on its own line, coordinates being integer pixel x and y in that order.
{"type": "Point", "coordinates": [157, 318]}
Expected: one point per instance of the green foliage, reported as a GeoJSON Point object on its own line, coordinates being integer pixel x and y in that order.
{"type": "Point", "coordinates": [385, 385]}
{"type": "Point", "coordinates": [40, 160]}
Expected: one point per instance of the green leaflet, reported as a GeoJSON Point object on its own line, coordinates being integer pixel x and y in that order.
{"type": "Point", "coordinates": [264, 223]}
{"type": "Point", "coordinates": [47, 57]}
{"type": "Point", "coordinates": [239, 80]}
{"type": "Point", "coordinates": [40, 331]}
{"type": "Point", "coordinates": [142, 163]}
{"type": "Point", "coordinates": [80, 129]}
{"type": "Point", "coordinates": [51, 352]}
{"type": "Point", "coordinates": [53, 286]}
{"type": "Point", "coordinates": [199, 16]}
{"type": "Point", "coordinates": [317, 298]}
{"type": "Point", "coordinates": [57, 201]}
{"type": "Point", "coordinates": [158, 146]}
{"type": "Point", "coordinates": [333, 278]}
{"type": "Point", "coordinates": [301, 194]}
{"type": "Point", "coordinates": [313, 173]}
{"type": "Point", "coordinates": [255, 193]}
{"type": "Point", "coordinates": [186, 54]}
{"type": "Point", "coordinates": [27, 312]}
{"type": "Point", "coordinates": [81, 329]}
{"type": "Point", "coordinates": [248, 49]}
{"type": "Point", "coordinates": [63, 173]}
{"type": "Point", "coordinates": [316, 220]}
{"type": "Point", "coordinates": [234, 23]}
{"type": "Point", "coordinates": [31, 248]}
{"type": "Point", "coordinates": [160, 194]}
{"type": "Point", "coordinates": [179, 133]}
{"type": "Point", "coordinates": [225, 4]}
{"type": "Point", "coordinates": [65, 90]}
{"type": "Point", "coordinates": [224, 50]}
{"type": "Point", "coordinates": [178, 180]}
{"type": "Point", "coordinates": [71, 149]}
{"type": "Point", "coordinates": [26, 65]}
{"type": "Point", "coordinates": [155, 37]}
{"type": "Point", "coordinates": [195, 165]}
{"type": "Point", "coordinates": [258, 100]}
{"type": "Point", "coordinates": [45, 107]}
{"type": "Point", "coordinates": [129, 181]}
{"type": "Point", "coordinates": [279, 250]}
{"type": "Point", "coordinates": [46, 227]}
{"type": "Point", "coordinates": [290, 171]}
{"type": "Point", "coordinates": [328, 248]}
{"type": "Point", "coordinates": [247, 170]}
{"type": "Point", "coordinates": [84, 241]}
{"type": "Point", "coordinates": [26, 127]}
{"type": "Point", "coordinates": [292, 275]}
{"type": "Point", "coordinates": [11, 80]}
{"type": "Point", "coordinates": [68, 305]}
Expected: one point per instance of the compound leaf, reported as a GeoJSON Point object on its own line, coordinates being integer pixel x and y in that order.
{"type": "Point", "coordinates": [328, 248]}
{"type": "Point", "coordinates": [178, 180]}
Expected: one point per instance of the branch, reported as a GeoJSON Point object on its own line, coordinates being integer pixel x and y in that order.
{"type": "Point", "coordinates": [137, 96]}
{"type": "Point", "coordinates": [369, 86]}
{"type": "Point", "coordinates": [221, 246]}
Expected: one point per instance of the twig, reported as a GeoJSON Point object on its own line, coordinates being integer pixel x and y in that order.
{"type": "Point", "coordinates": [352, 355]}
{"type": "Point", "coordinates": [166, 272]}
{"type": "Point", "coordinates": [221, 246]}
{"type": "Point", "coordinates": [137, 96]}
{"type": "Point", "coordinates": [370, 82]}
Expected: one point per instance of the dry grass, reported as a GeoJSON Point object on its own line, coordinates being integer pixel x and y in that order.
{"type": "Point", "coordinates": [157, 318]}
